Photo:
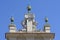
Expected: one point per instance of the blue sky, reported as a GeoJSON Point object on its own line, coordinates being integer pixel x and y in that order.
{"type": "Point", "coordinates": [41, 8]}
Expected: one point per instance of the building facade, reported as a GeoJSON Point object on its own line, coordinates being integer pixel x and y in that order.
{"type": "Point", "coordinates": [29, 31]}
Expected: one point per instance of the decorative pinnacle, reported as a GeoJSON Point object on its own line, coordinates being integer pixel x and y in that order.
{"type": "Point", "coordinates": [46, 19]}
{"type": "Point", "coordinates": [12, 19]}
{"type": "Point", "coordinates": [29, 8]}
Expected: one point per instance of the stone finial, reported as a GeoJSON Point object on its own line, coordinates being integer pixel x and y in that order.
{"type": "Point", "coordinates": [46, 19]}
{"type": "Point", "coordinates": [12, 19]}
{"type": "Point", "coordinates": [28, 8]}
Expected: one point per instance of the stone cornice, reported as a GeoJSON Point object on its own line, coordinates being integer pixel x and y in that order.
{"type": "Point", "coordinates": [22, 35]}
